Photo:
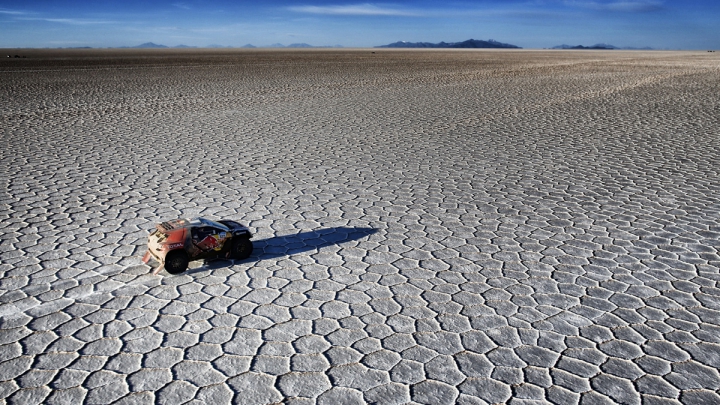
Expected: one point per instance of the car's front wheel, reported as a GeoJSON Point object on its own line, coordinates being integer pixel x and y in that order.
{"type": "Point", "coordinates": [242, 249]}
{"type": "Point", "coordinates": [176, 262]}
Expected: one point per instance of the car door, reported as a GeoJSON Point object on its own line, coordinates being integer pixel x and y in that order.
{"type": "Point", "coordinates": [209, 239]}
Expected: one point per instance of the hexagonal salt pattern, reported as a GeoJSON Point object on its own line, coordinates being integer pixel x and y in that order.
{"type": "Point", "coordinates": [431, 228]}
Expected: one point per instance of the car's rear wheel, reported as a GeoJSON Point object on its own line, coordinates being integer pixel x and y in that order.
{"type": "Point", "coordinates": [242, 249]}
{"type": "Point", "coordinates": [176, 262]}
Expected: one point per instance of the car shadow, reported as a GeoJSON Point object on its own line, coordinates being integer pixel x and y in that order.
{"type": "Point", "coordinates": [287, 245]}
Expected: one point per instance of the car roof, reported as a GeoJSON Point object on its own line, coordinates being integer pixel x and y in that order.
{"type": "Point", "coordinates": [189, 223]}
{"type": "Point", "coordinates": [198, 221]}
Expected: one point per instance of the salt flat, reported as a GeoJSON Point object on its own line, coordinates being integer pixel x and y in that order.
{"type": "Point", "coordinates": [431, 226]}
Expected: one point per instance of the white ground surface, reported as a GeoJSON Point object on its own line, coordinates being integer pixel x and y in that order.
{"type": "Point", "coordinates": [431, 227]}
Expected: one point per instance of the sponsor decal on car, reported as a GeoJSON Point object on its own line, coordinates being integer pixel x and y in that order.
{"type": "Point", "coordinates": [209, 242]}
{"type": "Point", "coordinates": [174, 245]}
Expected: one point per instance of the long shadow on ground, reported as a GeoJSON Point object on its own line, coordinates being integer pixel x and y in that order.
{"type": "Point", "coordinates": [279, 246]}
{"type": "Point", "coordinates": [305, 241]}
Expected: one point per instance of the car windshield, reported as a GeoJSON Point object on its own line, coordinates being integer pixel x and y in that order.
{"type": "Point", "coordinates": [210, 223]}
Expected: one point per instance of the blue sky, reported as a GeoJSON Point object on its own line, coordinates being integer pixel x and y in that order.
{"type": "Point", "coordinates": [691, 24]}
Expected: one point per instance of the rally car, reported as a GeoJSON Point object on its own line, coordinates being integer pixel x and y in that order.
{"type": "Point", "coordinates": [176, 243]}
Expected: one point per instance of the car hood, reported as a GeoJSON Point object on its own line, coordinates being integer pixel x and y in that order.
{"type": "Point", "coordinates": [170, 226]}
{"type": "Point", "coordinates": [157, 240]}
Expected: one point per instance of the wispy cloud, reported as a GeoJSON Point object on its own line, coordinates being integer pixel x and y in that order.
{"type": "Point", "coordinates": [12, 12]}
{"type": "Point", "coordinates": [622, 6]}
{"type": "Point", "coordinates": [534, 9]}
{"type": "Point", "coordinates": [366, 9]}
{"type": "Point", "coordinates": [183, 6]}
{"type": "Point", "coordinates": [71, 21]}
{"type": "Point", "coordinates": [149, 28]}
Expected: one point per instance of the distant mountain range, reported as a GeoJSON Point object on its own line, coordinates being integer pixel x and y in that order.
{"type": "Point", "coordinates": [152, 45]}
{"type": "Point", "coordinates": [470, 43]}
{"type": "Point", "coordinates": [598, 46]}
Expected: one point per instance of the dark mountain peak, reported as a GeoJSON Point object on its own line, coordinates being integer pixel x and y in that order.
{"type": "Point", "coordinates": [605, 46]}
{"type": "Point", "coordinates": [476, 43]}
{"type": "Point", "coordinates": [470, 43]}
{"type": "Point", "coordinates": [596, 46]}
{"type": "Point", "coordinates": [150, 45]}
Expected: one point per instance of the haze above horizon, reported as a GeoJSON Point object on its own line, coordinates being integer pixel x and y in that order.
{"type": "Point", "coordinates": [659, 24]}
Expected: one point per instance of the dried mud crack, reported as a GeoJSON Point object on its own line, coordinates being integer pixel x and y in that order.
{"type": "Point", "coordinates": [431, 226]}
